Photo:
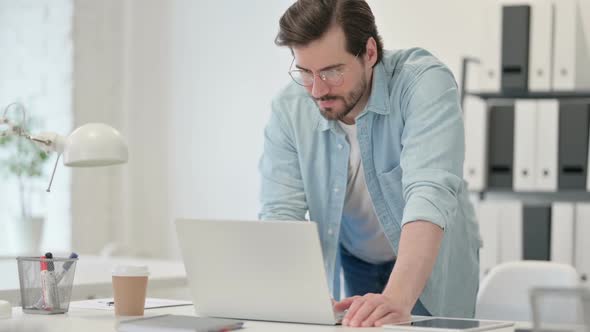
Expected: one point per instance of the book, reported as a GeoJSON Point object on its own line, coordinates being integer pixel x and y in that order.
{"type": "Point", "coordinates": [178, 323]}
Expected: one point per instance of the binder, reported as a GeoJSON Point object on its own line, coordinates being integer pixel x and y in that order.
{"type": "Point", "coordinates": [488, 218]}
{"type": "Point", "coordinates": [515, 47]}
{"type": "Point", "coordinates": [536, 226]}
{"type": "Point", "coordinates": [573, 145]}
{"type": "Point", "coordinates": [489, 75]}
{"type": "Point", "coordinates": [540, 47]}
{"type": "Point", "coordinates": [570, 52]}
{"type": "Point", "coordinates": [501, 147]}
{"type": "Point", "coordinates": [562, 233]}
{"type": "Point", "coordinates": [476, 129]}
{"type": "Point", "coordinates": [525, 144]}
{"type": "Point", "coordinates": [547, 145]}
{"type": "Point", "coordinates": [510, 231]}
{"type": "Point", "coordinates": [582, 245]}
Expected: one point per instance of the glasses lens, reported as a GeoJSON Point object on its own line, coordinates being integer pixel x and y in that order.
{"type": "Point", "coordinates": [302, 78]}
{"type": "Point", "coordinates": [332, 77]}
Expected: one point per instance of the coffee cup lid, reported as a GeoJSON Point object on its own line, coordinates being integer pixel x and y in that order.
{"type": "Point", "coordinates": [131, 271]}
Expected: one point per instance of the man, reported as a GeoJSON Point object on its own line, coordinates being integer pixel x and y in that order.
{"type": "Point", "coordinates": [370, 143]}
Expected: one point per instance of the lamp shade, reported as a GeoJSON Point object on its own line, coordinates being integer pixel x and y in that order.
{"type": "Point", "coordinates": [94, 144]}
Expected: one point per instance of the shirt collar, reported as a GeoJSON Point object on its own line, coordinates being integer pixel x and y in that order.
{"type": "Point", "coordinates": [378, 100]}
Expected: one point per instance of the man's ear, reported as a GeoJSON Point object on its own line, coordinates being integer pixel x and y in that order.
{"type": "Point", "coordinates": [371, 52]}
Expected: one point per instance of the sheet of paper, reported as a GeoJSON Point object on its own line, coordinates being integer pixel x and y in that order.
{"type": "Point", "coordinates": [108, 304]}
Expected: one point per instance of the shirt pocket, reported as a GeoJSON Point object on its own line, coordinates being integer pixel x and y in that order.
{"type": "Point", "coordinates": [392, 188]}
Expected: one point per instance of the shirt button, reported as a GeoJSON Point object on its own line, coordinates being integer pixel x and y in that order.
{"type": "Point", "coordinates": [340, 146]}
{"type": "Point", "coordinates": [336, 189]}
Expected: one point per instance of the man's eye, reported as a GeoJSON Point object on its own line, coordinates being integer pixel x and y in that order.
{"type": "Point", "coordinates": [332, 72]}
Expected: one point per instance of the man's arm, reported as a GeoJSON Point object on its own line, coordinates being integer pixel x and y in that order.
{"type": "Point", "coordinates": [282, 194]}
{"type": "Point", "coordinates": [432, 166]}
{"type": "Point", "coordinates": [418, 249]}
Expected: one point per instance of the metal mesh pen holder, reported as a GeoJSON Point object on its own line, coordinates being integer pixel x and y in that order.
{"type": "Point", "coordinates": [46, 284]}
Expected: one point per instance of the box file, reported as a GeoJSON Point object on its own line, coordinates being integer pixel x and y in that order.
{"type": "Point", "coordinates": [501, 147]}
{"type": "Point", "coordinates": [536, 224]}
{"type": "Point", "coordinates": [510, 231]}
{"type": "Point", "coordinates": [515, 47]}
{"type": "Point", "coordinates": [562, 233]}
{"type": "Point", "coordinates": [582, 245]}
{"type": "Point", "coordinates": [488, 218]}
{"type": "Point", "coordinates": [571, 50]}
{"type": "Point", "coordinates": [525, 144]}
{"type": "Point", "coordinates": [476, 129]}
{"type": "Point", "coordinates": [489, 74]}
{"type": "Point", "coordinates": [573, 145]}
{"type": "Point", "coordinates": [541, 46]}
{"type": "Point", "coordinates": [547, 145]}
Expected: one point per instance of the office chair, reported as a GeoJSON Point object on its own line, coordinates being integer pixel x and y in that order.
{"type": "Point", "coordinates": [504, 294]}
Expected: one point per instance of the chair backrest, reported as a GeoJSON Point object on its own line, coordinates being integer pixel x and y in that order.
{"type": "Point", "coordinates": [504, 294]}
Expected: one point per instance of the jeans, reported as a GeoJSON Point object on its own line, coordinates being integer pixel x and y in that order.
{"type": "Point", "coordinates": [361, 277]}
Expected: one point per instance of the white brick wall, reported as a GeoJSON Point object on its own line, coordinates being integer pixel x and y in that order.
{"type": "Point", "coordinates": [36, 63]}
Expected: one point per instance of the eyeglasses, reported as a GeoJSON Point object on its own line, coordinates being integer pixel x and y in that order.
{"type": "Point", "coordinates": [332, 77]}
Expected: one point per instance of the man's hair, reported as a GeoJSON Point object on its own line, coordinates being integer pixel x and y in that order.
{"type": "Point", "coordinates": [307, 20]}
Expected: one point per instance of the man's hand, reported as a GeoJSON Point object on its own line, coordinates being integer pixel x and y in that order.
{"type": "Point", "coordinates": [372, 310]}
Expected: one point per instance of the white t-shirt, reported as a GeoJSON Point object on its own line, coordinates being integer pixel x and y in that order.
{"type": "Point", "coordinates": [361, 233]}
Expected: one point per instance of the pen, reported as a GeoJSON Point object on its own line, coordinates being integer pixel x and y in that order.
{"type": "Point", "coordinates": [48, 282]}
{"type": "Point", "coordinates": [65, 268]}
{"type": "Point", "coordinates": [41, 303]}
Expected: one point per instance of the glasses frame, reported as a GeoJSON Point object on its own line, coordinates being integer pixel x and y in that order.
{"type": "Point", "coordinates": [321, 74]}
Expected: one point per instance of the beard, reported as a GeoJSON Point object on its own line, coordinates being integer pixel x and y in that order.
{"type": "Point", "coordinates": [350, 100]}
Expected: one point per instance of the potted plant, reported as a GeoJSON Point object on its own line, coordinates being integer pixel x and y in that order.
{"type": "Point", "coordinates": [22, 160]}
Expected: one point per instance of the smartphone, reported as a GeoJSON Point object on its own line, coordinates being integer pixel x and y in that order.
{"type": "Point", "coordinates": [440, 324]}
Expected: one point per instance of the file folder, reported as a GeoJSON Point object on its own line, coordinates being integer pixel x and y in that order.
{"type": "Point", "coordinates": [571, 45]}
{"type": "Point", "coordinates": [525, 144]}
{"type": "Point", "coordinates": [475, 166]}
{"type": "Point", "coordinates": [540, 49]}
{"type": "Point", "coordinates": [515, 47]}
{"type": "Point", "coordinates": [573, 145]}
{"type": "Point", "coordinates": [547, 145]}
{"type": "Point", "coordinates": [562, 233]}
{"type": "Point", "coordinates": [501, 147]}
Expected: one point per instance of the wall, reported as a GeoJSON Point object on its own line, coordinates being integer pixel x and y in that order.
{"type": "Point", "coordinates": [98, 197]}
{"type": "Point", "coordinates": [450, 29]}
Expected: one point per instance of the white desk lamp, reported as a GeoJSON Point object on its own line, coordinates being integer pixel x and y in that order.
{"type": "Point", "coordinates": [91, 145]}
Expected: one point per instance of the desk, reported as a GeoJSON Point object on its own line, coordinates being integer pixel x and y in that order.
{"type": "Point", "coordinates": [104, 321]}
{"type": "Point", "coordinates": [92, 278]}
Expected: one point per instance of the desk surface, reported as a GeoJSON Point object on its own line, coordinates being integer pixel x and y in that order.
{"type": "Point", "coordinates": [100, 320]}
{"type": "Point", "coordinates": [93, 276]}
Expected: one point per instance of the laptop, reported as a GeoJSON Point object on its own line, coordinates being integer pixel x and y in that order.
{"type": "Point", "coordinates": [256, 270]}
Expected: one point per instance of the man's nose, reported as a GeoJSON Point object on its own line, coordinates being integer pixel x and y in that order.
{"type": "Point", "coordinates": [319, 87]}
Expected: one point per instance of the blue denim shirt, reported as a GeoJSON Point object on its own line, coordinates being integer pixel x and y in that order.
{"type": "Point", "coordinates": [411, 139]}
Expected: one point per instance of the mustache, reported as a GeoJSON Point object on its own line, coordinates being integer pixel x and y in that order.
{"type": "Point", "coordinates": [328, 97]}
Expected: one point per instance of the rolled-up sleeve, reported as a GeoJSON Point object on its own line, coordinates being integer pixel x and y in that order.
{"type": "Point", "coordinates": [433, 147]}
{"type": "Point", "coordinates": [282, 195]}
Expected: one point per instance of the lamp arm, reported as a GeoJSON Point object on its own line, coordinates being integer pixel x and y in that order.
{"type": "Point", "coordinates": [47, 141]}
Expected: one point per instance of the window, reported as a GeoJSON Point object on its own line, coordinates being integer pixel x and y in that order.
{"type": "Point", "coordinates": [36, 63]}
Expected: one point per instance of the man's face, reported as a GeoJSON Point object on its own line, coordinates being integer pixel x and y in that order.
{"type": "Point", "coordinates": [329, 54]}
